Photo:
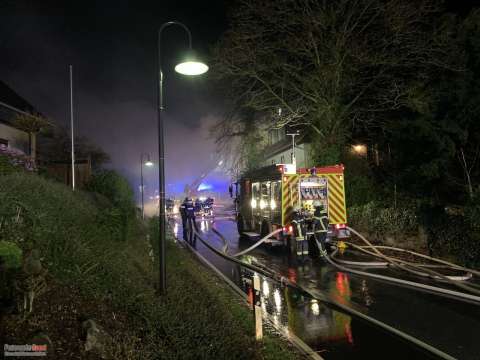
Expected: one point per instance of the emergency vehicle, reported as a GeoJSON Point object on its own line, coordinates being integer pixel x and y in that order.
{"type": "Point", "coordinates": [266, 199]}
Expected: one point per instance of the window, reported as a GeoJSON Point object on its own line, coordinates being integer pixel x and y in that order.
{"type": "Point", "coordinates": [265, 195]}
{"type": "Point", "coordinates": [3, 142]}
{"type": "Point", "coordinates": [255, 202]}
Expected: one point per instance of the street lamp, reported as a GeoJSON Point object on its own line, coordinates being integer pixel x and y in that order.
{"type": "Point", "coordinates": [189, 66]}
{"type": "Point", "coordinates": [359, 149]}
{"type": "Point", "coordinates": [148, 163]}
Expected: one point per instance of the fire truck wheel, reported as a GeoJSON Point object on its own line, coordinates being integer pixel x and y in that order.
{"type": "Point", "coordinates": [265, 229]}
{"type": "Point", "coordinates": [240, 224]}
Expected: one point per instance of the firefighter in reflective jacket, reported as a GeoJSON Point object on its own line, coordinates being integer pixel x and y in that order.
{"type": "Point", "coordinates": [299, 231]}
{"type": "Point", "coordinates": [320, 225]}
{"type": "Point", "coordinates": [187, 211]}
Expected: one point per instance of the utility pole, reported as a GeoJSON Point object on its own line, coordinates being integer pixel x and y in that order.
{"type": "Point", "coordinates": [71, 128]}
{"type": "Point", "coordinates": [294, 159]}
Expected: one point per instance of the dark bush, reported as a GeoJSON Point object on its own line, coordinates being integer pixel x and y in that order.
{"type": "Point", "coordinates": [382, 219]}
{"type": "Point", "coordinates": [117, 190]}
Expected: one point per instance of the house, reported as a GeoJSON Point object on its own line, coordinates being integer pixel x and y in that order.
{"type": "Point", "coordinates": [279, 149]}
{"type": "Point", "coordinates": [12, 104]}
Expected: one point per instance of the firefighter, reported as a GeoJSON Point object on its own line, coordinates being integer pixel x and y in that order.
{"type": "Point", "coordinates": [187, 211]}
{"type": "Point", "coordinates": [320, 224]}
{"type": "Point", "coordinates": [299, 231]}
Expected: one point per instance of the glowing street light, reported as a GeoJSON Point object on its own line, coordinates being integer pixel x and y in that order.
{"type": "Point", "coordinates": [359, 149]}
{"type": "Point", "coordinates": [190, 66]}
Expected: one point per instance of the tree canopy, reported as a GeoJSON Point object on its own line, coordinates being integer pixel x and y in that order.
{"type": "Point", "coordinates": [399, 75]}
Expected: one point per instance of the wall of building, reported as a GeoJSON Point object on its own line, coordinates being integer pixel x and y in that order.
{"type": "Point", "coordinates": [17, 139]}
{"type": "Point", "coordinates": [285, 157]}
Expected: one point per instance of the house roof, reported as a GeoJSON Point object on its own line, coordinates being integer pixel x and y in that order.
{"type": "Point", "coordinates": [10, 97]}
{"type": "Point", "coordinates": [11, 104]}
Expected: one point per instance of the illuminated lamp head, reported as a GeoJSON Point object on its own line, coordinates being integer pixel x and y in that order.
{"type": "Point", "coordinates": [191, 66]}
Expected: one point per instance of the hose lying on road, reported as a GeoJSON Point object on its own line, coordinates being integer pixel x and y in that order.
{"type": "Point", "coordinates": [225, 242]}
{"type": "Point", "coordinates": [467, 276]}
{"type": "Point", "coordinates": [417, 270]}
{"type": "Point", "coordinates": [257, 269]}
{"type": "Point", "coordinates": [243, 252]}
{"type": "Point", "coordinates": [434, 289]}
{"type": "Point", "coordinates": [445, 263]}
{"type": "Point", "coordinates": [258, 243]}
{"type": "Point", "coordinates": [409, 267]}
{"type": "Point", "coordinates": [326, 299]}
{"type": "Point", "coordinates": [361, 263]}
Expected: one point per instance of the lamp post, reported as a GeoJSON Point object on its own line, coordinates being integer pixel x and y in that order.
{"type": "Point", "coordinates": [148, 163]}
{"type": "Point", "coordinates": [190, 66]}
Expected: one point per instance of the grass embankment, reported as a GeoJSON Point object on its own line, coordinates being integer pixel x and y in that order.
{"type": "Point", "coordinates": [94, 274]}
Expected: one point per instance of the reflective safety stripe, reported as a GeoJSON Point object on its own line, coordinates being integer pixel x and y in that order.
{"type": "Point", "coordinates": [336, 208]}
{"type": "Point", "coordinates": [336, 199]}
{"type": "Point", "coordinates": [324, 224]}
{"type": "Point", "coordinates": [289, 197]}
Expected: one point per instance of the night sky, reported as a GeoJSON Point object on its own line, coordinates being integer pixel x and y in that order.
{"type": "Point", "coordinates": [112, 47]}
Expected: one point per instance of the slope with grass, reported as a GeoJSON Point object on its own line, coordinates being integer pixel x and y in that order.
{"type": "Point", "coordinates": [93, 273]}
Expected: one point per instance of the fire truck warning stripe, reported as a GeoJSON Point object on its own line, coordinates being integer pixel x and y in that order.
{"type": "Point", "coordinates": [334, 182]}
{"type": "Point", "coordinates": [336, 200]}
{"type": "Point", "coordinates": [289, 197]}
{"type": "Point", "coordinates": [339, 207]}
{"type": "Point", "coordinates": [335, 215]}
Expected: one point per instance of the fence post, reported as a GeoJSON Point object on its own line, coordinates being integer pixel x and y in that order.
{"type": "Point", "coordinates": [257, 308]}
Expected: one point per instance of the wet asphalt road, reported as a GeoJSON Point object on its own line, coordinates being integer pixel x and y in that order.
{"type": "Point", "coordinates": [449, 325]}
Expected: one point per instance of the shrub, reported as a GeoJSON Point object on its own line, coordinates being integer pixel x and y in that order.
{"type": "Point", "coordinates": [450, 235]}
{"type": "Point", "coordinates": [116, 189]}
{"type": "Point", "coordinates": [68, 229]}
{"type": "Point", "coordinates": [10, 254]}
{"type": "Point", "coordinates": [384, 220]}
{"type": "Point", "coordinates": [453, 236]}
{"type": "Point", "coordinates": [42, 214]}
{"type": "Point", "coordinates": [12, 160]}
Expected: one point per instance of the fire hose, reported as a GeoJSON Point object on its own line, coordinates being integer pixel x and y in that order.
{"type": "Point", "coordinates": [388, 261]}
{"type": "Point", "coordinates": [286, 282]}
{"type": "Point", "coordinates": [243, 252]}
{"type": "Point", "coordinates": [398, 263]}
{"type": "Point", "coordinates": [418, 270]}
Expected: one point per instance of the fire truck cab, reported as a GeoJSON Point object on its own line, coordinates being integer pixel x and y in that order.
{"type": "Point", "coordinates": [266, 199]}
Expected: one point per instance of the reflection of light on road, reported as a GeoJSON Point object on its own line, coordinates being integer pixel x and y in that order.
{"type": "Point", "coordinates": [266, 289]}
{"type": "Point", "coordinates": [315, 307]}
{"type": "Point", "coordinates": [204, 225]}
{"type": "Point", "coordinates": [278, 300]}
{"type": "Point", "coordinates": [275, 320]}
{"type": "Point", "coordinates": [264, 306]}
{"type": "Point", "coordinates": [343, 285]}
{"type": "Point", "coordinates": [348, 332]}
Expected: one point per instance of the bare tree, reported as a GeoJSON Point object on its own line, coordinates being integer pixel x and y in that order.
{"type": "Point", "coordinates": [330, 66]}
